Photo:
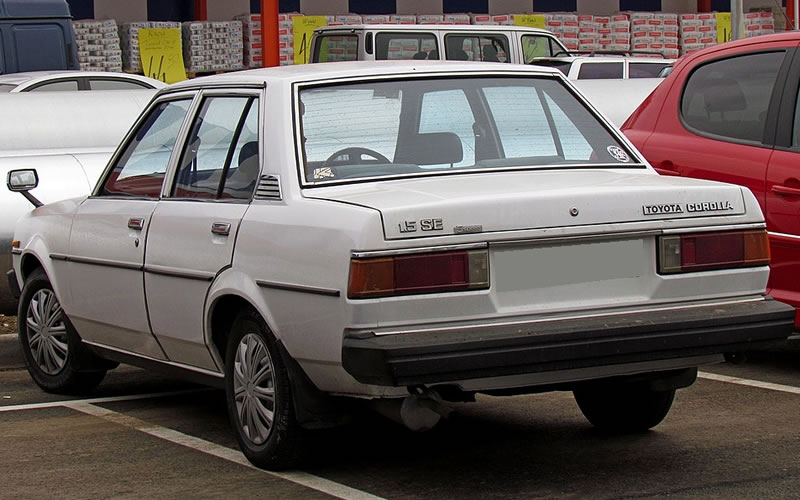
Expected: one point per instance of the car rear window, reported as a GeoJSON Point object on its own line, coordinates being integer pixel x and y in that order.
{"type": "Point", "coordinates": [435, 126]}
{"type": "Point", "coordinates": [600, 70]}
{"type": "Point", "coordinates": [333, 48]}
{"type": "Point", "coordinates": [646, 70]}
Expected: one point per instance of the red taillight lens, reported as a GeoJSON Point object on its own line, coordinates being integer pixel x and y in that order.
{"type": "Point", "coordinates": [418, 273]}
{"type": "Point", "coordinates": [707, 251]}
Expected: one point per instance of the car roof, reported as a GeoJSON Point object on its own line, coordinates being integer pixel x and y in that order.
{"type": "Point", "coordinates": [303, 73]}
{"type": "Point", "coordinates": [30, 76]}
{"type": "Point", "coordinates": [606, 58]}
{"type": "Point", "coordinates": [434, 27]}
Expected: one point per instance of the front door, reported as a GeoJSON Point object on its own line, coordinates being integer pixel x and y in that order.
{"type": "Point", "coordinates": [193, 229]}
{"type": "Point", "coordinates": [107, 240]}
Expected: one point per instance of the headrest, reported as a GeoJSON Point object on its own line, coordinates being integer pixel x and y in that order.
{"type": "Point", "coordinates": [437, 148]}
{"type": "Point", "coordinates": [723, 94]}
{"type": "Point", "coordinates": [248, 157]}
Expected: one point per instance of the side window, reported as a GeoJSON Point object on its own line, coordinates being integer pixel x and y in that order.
{"type": "Point", "coordinates": [108, 84]}
{"type": "Point", "coordinates": [598, 71]}
{"type": "Point", "coordinates": [139, 171]}
{"type": "Point", "coordinates": [473, 47]}
{"type": "Point", "coordinates": [64, 85]}
{"type": "Point", "coordinates": [730, 97]}
{"type": "Point", "coordinates": [534, 46]}
{"type": "Point", "coordinates": [448, 111]}
{"type": "Point", "coordinates": [215, 156]}
{"type": "Point", "coordinates": [645, 70]}
{"type": "Point", "coordinates": [396, 46]}
{"type": "Point", "coordinates": [332, 48]}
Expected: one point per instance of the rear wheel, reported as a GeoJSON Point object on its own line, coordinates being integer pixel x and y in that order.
{"type": "Point", "coordinates": [259, 396]}
{"type": "Point", "coordinates": [52, 349]}
{"type": "Point", "coordinates": [624, 408]}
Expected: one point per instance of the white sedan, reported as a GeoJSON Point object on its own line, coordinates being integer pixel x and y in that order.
{"type": "Point", "coordinates": [409, 233]}
{"type": "Point", "coordinates": [58, 80]}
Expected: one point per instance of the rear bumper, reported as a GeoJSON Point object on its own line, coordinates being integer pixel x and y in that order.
{"type": "Point", "coordinates": [448, 355]}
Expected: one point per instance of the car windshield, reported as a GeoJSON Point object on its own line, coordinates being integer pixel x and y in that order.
{"type": "Point", "coordinates": [445, 125]}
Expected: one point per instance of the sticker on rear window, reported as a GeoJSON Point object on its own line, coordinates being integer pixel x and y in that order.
{"type": "Point", "coordinates": [618, 154]}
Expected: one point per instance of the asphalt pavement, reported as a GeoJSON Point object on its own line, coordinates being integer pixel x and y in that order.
{"type": "Point", "coordinates": [735, 433]}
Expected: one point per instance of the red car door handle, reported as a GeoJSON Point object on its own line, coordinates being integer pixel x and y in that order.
{"type": "Point", "coordinates": [785, 190]}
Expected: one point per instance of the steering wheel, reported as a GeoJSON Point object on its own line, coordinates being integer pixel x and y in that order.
{"type": "Point", "coordinates": [354, 152]}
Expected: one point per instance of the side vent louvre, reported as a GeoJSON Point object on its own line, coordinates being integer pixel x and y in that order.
{"type": "Point", "coordinates": [269, 188]}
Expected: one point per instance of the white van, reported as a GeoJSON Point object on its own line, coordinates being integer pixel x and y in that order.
{"type": "Point", "coordinates": [376, 42]}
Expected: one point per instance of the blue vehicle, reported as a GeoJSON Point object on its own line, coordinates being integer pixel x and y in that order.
{"type": "Point", "coordinates": [36, 35]}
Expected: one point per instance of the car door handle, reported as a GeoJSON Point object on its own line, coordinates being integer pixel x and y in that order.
{"type": "Point", "coordinates": [221, 228]}
{"type": "Point", "coordinates": [785, 190]}
{"type": "Point", "coordinates": [136, 223]}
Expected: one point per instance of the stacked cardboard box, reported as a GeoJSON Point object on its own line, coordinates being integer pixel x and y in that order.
{"type": "Point", "coordinates": [98, 45]}
{"type": "Point", "coordinates": [654, 32]}
{"type": "Point", "coordinates": [759, 23]}
{"type": "Point", "coordinates": [565, 27]}
{"type": "Point", "coordinates": [213, 46]}
{"type": "Point", "coordinates": [697, 31]}
{"type": "Point", "coordinates": [129, 32]}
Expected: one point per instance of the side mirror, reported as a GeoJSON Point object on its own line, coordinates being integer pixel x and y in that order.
{"type": "Point", "coordinates": [22, 181]}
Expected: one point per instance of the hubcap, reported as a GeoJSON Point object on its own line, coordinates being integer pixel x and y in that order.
{"type": "Point", "coordinates": [254, 388]}
{"type": "Point", "coordinates": [47, 333]}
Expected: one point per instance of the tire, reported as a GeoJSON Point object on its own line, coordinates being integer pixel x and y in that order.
{"type": "Point", "coordinates": [53, 353]}
{"type": "Point", "coordinates": [268, 434]}
{"type": "Point", "coordinates": [624, 408]}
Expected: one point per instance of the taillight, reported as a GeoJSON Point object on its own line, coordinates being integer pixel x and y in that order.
{"type": "Point", "coordinates": [706, 251]}
{"type": "Point", "coordinates": [418, 273]}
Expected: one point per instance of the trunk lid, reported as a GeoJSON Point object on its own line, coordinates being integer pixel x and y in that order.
{"type": "Point", "coordinates": [512, 201]}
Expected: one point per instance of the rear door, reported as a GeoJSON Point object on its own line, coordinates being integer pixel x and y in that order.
{"type": "Point", "coordinates": [782, 195]}
{"type": "Point", "coordinates": [193, 229]}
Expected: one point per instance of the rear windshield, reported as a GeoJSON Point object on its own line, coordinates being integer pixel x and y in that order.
{"type": "Point", "coordinates": [333, 48]}
{"type": "Point", "coordinates": [433, 126]}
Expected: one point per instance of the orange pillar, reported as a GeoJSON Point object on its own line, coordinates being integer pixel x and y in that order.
{"type": "Point", "coordinates": [703, 5]}
{"type": "Point", "coordinates": [269, 29]}
{"type": "Point", "coordinates": [790, 15]}
{"type": "Point", "coordinates": [200, 10]}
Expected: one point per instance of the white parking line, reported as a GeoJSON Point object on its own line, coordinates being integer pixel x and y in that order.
{"type": "Point", "coordinates": [308, 480]}
{"type": "Point", "coordinates": [108, 399]}
{"type": "Point", "coordinates": [750, 383]}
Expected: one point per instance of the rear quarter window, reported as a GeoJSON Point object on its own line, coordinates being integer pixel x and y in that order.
{"type": "Point", "coordinates": [729, 98]}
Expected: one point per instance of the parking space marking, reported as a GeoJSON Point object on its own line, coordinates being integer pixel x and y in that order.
{"type": "Point", "coordinates": [750, 383]}
{"type": "Point", "coordinates": [298, 477]}
{"type": "Point", "coordinates": [108, 399]}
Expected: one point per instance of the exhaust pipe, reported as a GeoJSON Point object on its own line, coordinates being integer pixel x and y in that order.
{"type": "Point", "coordinates": [417, 412]}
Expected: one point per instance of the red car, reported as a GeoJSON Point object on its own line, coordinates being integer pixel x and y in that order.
{"type": "Point", "coordinates": [731, 113]}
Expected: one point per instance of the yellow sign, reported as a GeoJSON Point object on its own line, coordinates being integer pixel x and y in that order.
{"type": "Point", "coordinates": [160, 51]}
{"type": "Point", "coordinates": [530, 20]}
{"type": "Point", "coordinates": [304, 27]}
{"type": "Point", "coordinates": [724, 27]}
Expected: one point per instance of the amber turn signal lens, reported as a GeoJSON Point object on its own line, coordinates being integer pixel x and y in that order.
{"type": "Point", "coordinates": [15, 244]}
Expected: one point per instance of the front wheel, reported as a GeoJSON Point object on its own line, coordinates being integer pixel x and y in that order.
{"type": "Point", "coordinates": [259, 396]}
{"type": "Point", "coordinates": [624, 408]}
{"type": "Point", "coordinates": [51, 348]}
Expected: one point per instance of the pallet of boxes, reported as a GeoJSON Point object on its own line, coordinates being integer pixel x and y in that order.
{"type": "Point", "coordinates": [212, 46]}
{"type": "Point", "coordinates": [98, 45]}
{"type": "Point", "coordinates": [131, 57]}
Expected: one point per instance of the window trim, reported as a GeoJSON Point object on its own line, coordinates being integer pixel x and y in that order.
{"type": "Point", "coordinates": [129, 137]}
{"type": "Point", "coordinates": [194, 111]}
{"type": "Point", "coordinates": [768, 137]}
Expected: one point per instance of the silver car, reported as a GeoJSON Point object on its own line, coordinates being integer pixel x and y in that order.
{"type": "Point", "coordinates": [397, 234]}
